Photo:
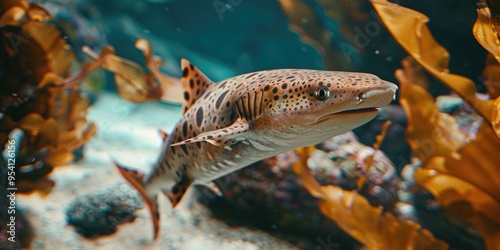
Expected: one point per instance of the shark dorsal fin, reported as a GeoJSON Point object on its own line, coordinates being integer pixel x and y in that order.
{"type": "Point", "coordinates": [194, 82]}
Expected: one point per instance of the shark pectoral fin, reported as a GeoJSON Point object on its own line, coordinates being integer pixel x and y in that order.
{"type": "Point", "coordinates": [178, 190]}
{"type": "Point", "coordinates": [136, 179]}
{"type": "Point", "coordinates": [194, 82]}
{"type": "Point", "coordinates": [221, 137]}
{"type": "Point", "coordinates": [214, 188]}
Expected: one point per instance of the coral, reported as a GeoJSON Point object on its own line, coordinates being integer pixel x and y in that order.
{"type": "Point", "coordinates": [272, 196]}
{"type": "Point", "coordinates": [366, 223]}
{"type": "Point", "coordinates": [370, 160]}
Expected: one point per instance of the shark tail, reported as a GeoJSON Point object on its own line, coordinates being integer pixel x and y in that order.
{"type": "Point", "coordinates": [137, 179]}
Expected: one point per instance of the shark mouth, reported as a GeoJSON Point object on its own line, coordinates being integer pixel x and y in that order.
{"type": "Point", "coordinates": [350, 112]}
{"type": "Point", "coordinates": [355, 111]}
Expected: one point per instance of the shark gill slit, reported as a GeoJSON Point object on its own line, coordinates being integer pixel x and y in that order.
{"type": "Point", "coordinates": [246, 108]}
{"type": "Point", "coordinates": [249, 106]}
{"type": "Point", "coordinates": [239, 106]}
{"type": "Point", "coordinates": [258, 102]}
{"type": "Point", "coordinates": [251, 103]}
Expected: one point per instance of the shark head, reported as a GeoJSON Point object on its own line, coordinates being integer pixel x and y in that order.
{"type": "Point", "coordinates": [309, 106]}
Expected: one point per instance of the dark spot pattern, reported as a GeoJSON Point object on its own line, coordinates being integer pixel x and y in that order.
{"type": "Point", "coordinates": [185, 129]}
{"type": "Point", "coordinates": [199, 116]}
{"type": "Point", "coordinates": [220, 99]}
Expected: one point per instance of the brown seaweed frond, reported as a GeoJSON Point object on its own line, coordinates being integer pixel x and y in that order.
{"type": "Point", "coordinates": [485, 33]}
{"type": "Point", "coordinates": [409, 29]}
{"type": "Point", "coordinates": [491, 76]}
{"type": "Point", "coordinates": [132, 81]}
{"type": "Point", "coordinates": [469, 193]}
{"type": "Point", "coordinates": [495, 117]}
{"type": "Point", "coordinates": [39, 97]}
{"type": "Point", "coordinates": [301, 169]}
{"type": "Point", "coordinates": [45, 135]}
{"type": "Point", "coordinates": [305, 22]}
{"type": "Point", "coordinates": [34, 33]}
{"type": "Point", "coordinates": [364, 222]}
{"type": "Point", "coordinates": [44, 144]}
{"type": "Point", "coordinates": [429, 132]}
{"type": "Point", "coordinates": [172, 90]}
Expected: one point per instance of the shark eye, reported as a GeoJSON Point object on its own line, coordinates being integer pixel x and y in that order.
{"type": "Point", "coordinates": [322, 93]}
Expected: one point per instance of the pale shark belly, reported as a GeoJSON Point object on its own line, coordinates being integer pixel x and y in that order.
{"type": "Point", "coordinates": [231, 158]}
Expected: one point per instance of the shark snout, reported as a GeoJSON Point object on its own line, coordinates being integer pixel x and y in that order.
{"type": "Point", "coordinates": [378, 95]}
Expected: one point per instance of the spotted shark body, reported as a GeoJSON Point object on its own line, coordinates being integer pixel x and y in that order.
{"type": "Point", "coordinates": [250, 117]}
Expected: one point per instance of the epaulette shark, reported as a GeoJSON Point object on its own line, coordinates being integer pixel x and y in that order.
{"type": "Point", "coordinates": [228, 125]}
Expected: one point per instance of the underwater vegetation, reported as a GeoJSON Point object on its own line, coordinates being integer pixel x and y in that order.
{"type": "Point", "coordinates": [51, 119]}
{"type": "Point", "coordinates": [46, 99]}
{"type": "Point", "coordinates": [458, 165]}
{"type": "Point", "coordinates": [45, 94]}
{"type": "Point", "coordinates": [47, 89]}
{"type": "Point", "coordinates": [461, 170]}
